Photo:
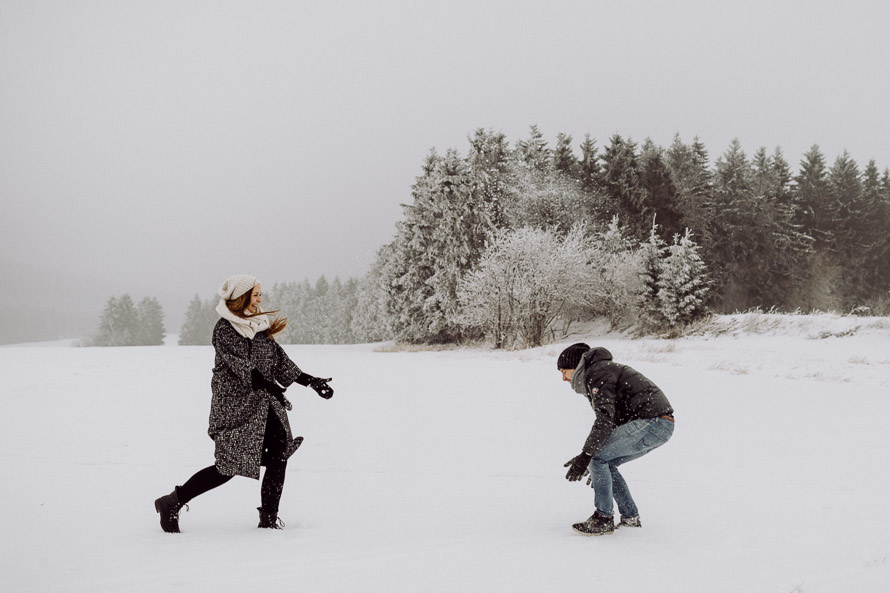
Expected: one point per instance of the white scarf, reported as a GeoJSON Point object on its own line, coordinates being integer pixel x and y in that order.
{"type": "Point", "coordinates": [246, 327]}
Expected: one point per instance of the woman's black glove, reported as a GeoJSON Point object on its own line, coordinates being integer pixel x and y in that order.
{"type": "Point", "coordinates": [257, 381]}
{"type": "Point", "coordinates": [320, 386]}
{"type": "Point", "coordinates": [577, 467]}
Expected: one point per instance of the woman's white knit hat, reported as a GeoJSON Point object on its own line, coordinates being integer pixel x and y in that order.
{"type": "Point", "coordinates": [236, 285]}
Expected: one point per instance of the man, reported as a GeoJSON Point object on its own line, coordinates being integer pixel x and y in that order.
{"type": "Point", "coordinates": [633, 417]}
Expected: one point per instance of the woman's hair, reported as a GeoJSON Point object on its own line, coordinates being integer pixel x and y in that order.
{"type": "Point", "coordinates": [238, 306]}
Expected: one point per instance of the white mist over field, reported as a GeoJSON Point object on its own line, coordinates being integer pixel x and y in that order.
{"type": "Point", "coordinates": [443, 470]}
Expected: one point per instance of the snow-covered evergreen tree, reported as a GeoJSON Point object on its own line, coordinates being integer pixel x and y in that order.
{"type": "Point", "coordinates": [533, 152]}
{"type": "Point", "coordinates": [200, 316]}
{"type": "Point", "coordinates": [369, 321]}
{"type": "Point", "coordinates": [674, 285]}
{"type": "Point", "coordinates": [318, 311]}
{"type": "Point", "coordinates": [441, 236]}
{"type": "Point", "coordinates": [589, 173]}
{"type": "Point", "coordinates": [875, 260]}
{"type": "Point", "coordinates": [812, 196]}
{"type": "Point", "coordinates": [491, 163]}
{"type": "Point", "coordinates": [564, 160]}
{"type": "Point", "coordinates": [125, 324]}
{"type": "Point", "coordinates": [150, 322]}
{"type": "Point", "coordinates": [621, 181]}
{"type": "Point", "coordinates": [651, 254]}
{"type": "Point", "coordinates": [117, 326]}
{"type": "Point", "coordinates": [693, 179]}
{"type": "Point", "coordinates": [683, 283]}
{"type": "Point", "coordinates": [660, 194]}
{"type": "Point", "coordinates": [342, 300]}
{"type": "Point", "coordinates": [409, 263]}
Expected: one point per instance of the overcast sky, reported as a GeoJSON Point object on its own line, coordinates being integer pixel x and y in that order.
{"type": "Point", "coordinates": [155, 147]}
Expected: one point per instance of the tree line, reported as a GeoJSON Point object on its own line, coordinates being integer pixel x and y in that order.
{"type": "Point", "coordinates": [514, 242]}
{"type": "Point", "coordinates": [668, 231]}
{"type": "Point", "coordinates": [125, 323]}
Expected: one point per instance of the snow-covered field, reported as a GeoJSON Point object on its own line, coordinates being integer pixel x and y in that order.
{"type": "Point", "coordinates": [443, 471]}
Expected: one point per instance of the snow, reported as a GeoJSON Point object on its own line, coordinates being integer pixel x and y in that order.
{"type": "Point", "coordinates": [443, 471]}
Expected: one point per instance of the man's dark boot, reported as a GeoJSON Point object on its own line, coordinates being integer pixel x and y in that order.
{"type": "Point", "coordinates": [597, 524]}
{"type": "Point", "coordinates": [269, 520]}
{"type": "Point", "coordinates": [629, 522]}
{"type": "Point", "coordinates": [168, 508]}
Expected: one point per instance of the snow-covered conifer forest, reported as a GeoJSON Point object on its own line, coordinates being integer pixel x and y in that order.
{"type": "Point", "coordinates": [513, 243]}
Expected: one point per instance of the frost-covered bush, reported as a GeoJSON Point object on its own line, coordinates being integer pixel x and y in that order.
{"type": "Point", "coordinates": [522, 283]}
{"type": "Point", "coordinates": [614, 276]}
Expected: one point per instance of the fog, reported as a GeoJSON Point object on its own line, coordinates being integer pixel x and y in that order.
{"type": "Point", "coordinates": [154, 148]}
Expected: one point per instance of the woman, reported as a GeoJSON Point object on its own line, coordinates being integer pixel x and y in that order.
{"type": "Point", "coordinates": [248, 418]}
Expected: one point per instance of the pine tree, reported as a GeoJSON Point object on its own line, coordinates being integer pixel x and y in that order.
{"type": "Point", "coordinates": [564, 160]}
{"type": "Point", "coordinates": [812, 197]}
{"type": "Point", "coordinates": [318, 312]}
{"type": "Point", "coordinates": [597, 207]}
{"type": "Point", "coordinates": [621, 180]}
{"type": "Point", "coordinates": [200, 317]}
{"type": "Point", "coordinates": [458, 240]}
{"type": "Point", "coordinates": [648, 302]}
{"type": "Point", "coordinates": [369, 321]}
{"type": "Point", "coordinates": [852, 231]}
{"type": "Point", "coordinates": [589, 167]}
{"type": "Point", "coordinates": [296, 302]}
{"type": "Point", "coordinates": [818, 274]}
{"type": "Point", "coordinates": [782, 247]}
{"type": "Point", "coordinates": [751, 241]}
{"type": "Point", "coordinates": [489, 160]}
{"type": "Point", "coordinates": [150, 323]}
{"type": "Point", "coordinates": [660, 194]}
{"type": "Point", "coordinates": [533, 152]}
{"type": "Point", "coordinates": [118, 325]}
{"type": "Point", "coordinates": [843, 193]}
{"type": "Point", "coordinates": [342, 301]}
{"type": "Point", "coordinates": [683, 283]}
{"type": "Point", "coordinates": [875, 257]}
{"type": "Point", "coordinates": [441, 235]}
{"type": "Point", "coordinates": [692, 177]}
{"type": "Point", "coordinates": [735, 246]}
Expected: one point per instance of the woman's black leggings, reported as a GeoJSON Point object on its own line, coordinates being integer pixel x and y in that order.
{"type": "Point", "coordinates": [274, 447]}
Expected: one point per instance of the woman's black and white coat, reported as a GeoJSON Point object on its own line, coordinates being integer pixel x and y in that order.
{"type": "Point", "coordinates": [238, 411]}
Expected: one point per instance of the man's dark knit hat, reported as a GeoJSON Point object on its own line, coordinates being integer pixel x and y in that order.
{"type": "Point", "coordinates": [571, 356]}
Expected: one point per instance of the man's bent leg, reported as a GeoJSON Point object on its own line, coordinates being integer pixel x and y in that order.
{"type": "Point", "coordinates": [628, 442]}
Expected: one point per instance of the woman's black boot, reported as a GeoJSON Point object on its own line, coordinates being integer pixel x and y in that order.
{"type": "Point", "coordinates": [269, 520]}
{"type": "Point", "coordinates": [168, 508]}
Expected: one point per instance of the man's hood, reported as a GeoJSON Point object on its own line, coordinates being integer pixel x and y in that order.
{"type": "Point", "coordinates": [594, 355]}
{"type": "Point", "coordinates": [588, 359]}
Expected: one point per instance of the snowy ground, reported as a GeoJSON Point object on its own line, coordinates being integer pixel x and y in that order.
{"type": "Point", "coordinates": [442, 471]}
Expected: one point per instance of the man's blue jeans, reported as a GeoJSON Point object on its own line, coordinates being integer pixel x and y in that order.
{"type": "Point", "coordinates": [627, 442]}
